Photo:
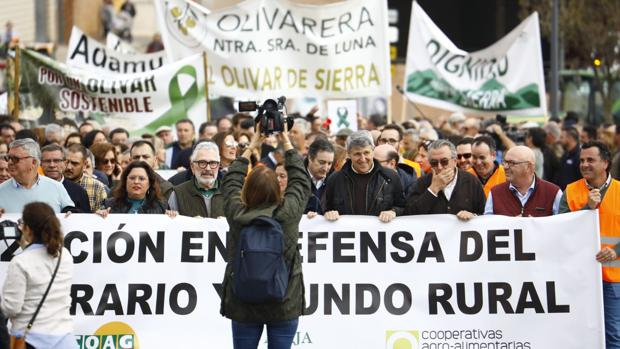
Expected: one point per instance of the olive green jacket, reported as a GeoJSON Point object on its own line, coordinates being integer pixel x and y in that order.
{"type": "Point", "coordinates": [288, 213]}
{"type": "Point", "coordinates": [191, 203]}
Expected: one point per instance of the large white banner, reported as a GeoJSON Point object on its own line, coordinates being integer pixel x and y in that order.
{"type": "Point", "coordinates": [139, 102]}
{"type": "Point", "coordinates": [267, 48]}
{"type": "Point", "coordinates": [87, 53]}
{"type": "Point", "coordinates": [417, 282]}
{"type": "Point", "coordinates": [506, 77]}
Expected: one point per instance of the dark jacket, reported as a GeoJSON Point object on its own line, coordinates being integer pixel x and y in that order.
{"type": "Point", "coordinates": [569, 168]}
{"type": "Point", "coordinates": [181, 177]}
{"type": "Point", "coordinates": [288, 213]}
{"type": "Point", "coordinates": [408, 178]}
{"type": "Point", "coordinates": [317, 195]}
{"type": "Point", "coordinates": [78, 195]}
{"type": "Point", "coordinates": [190, 201]}
{"type": "Point", "coordinates": [467, 195]}
{"type": "Point", "coordinates": [384, 191]}
{"type": "Point", "coordinates": [164, 186]}
{"type": "Point", "coordinates": [155, 207]}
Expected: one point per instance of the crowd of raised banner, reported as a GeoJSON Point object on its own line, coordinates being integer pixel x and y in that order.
{"type": "Point", "coordinates": [463, 165]}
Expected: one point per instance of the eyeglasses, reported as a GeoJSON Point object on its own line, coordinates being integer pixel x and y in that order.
{"type": "Point", "coordinates": [231, 144]}
{"type": "Point", "coordinates": [444, 162]}
{"type": "Point", "coordinates": [244, 145]}
{"type": "Point", "coordinates": [510, 163]}
{"type": "Point", "coordinates": [15, 159]}
{"type": "Point", "coordinates": [463, 156]}
{"type": "Point", "coordinates": [203, 164]}
{"type": "Point", "coordinates": [52, 161]}
{"type": "Point", "coordinates": [108, 161]}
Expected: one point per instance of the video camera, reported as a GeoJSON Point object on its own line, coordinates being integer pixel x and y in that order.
{"type": "Point", "coordinates": [269, 115]}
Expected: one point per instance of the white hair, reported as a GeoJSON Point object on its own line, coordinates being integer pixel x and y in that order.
{"type": "Point", "coordinates": [208, 145]}
{"type": "Point", "coordinates": [30, 146]}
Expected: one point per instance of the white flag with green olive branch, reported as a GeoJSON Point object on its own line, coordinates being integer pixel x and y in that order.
{"type": "Point", "coordinates": [506, 77]}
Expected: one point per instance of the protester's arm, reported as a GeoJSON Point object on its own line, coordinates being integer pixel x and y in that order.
{"type": "Point", "coordinates": [232, 185]}
{"type": "Point", "coordinates": [298, 187]}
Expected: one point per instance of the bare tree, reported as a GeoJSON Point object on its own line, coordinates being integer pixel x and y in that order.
{"type": "Point", "coordinates": [590, 33]}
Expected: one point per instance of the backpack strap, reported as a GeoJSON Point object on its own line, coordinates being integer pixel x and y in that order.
{"type": "Point", "coordinates": [34, 316]}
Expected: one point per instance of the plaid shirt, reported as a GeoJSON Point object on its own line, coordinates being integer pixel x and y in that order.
{"type": "Point", "coordinates": [95, 190]}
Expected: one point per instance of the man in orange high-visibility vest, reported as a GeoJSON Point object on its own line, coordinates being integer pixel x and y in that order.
{"type": "Point", "coordinates": [484, 166]}
{"type": "Point", "coordinates": [598, 190]}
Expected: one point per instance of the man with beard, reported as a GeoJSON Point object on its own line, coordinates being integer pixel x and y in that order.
{"type": "Point", "coordinates": [53, 162]}
{"type": "Point", "coordinates": [200, 197]}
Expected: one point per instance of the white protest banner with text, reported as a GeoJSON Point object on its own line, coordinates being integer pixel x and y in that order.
{"type": "Point", "coordinates": [506, 77]}
{"type": "Point", "coordinates": [87, 53]}
{"type": "Point", "coordinates": [139, 102]}
{"type": "Point", "coordinates": [423, 281]}
{"type": "Point", "coordinates": [267, 48]}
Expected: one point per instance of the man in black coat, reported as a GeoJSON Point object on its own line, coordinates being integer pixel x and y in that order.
{"type": "Point", "coordinates": [446, 189]}
{"type": "Point", "coordinates": [363, 186]}
{"type": "Point", "coordinates": [53, 162]}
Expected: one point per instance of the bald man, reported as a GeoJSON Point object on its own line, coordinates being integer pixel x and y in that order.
{"type": "Point", "coordinates": [523, 194]}
{"type": "Point", "coordinates": [388, 157]}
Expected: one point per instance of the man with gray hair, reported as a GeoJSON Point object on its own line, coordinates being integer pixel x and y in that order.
{"type": "Point", "coordinates": [26, 186]}
{"type": "Point", "coordinates": [200, 196]}
{"type": "Point", "coordinates": [363, 186]}
{"type": "Point", "coordinates": [446, 189]}
{"type": "Point", "coordinates": [54, 134]}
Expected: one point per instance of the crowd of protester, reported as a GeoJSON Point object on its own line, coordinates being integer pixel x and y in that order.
{"type": "Point", "coordinates": [459, 165]}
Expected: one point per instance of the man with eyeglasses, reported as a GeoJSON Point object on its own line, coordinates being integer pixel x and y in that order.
{"type": "Point", "coordinates": [53, 163]}
{"type": "Point", "coordinates": [145, 151]}
{"type": "Point", "coordinates": [463, 153]}
{"type": "Point", "coordinates": [27, 185]}
{"type": "Point", "coordinates": [523, 194]}
{"type": "Point", "coordinates": [484, 166]}
{"type": "Point", "coordinates": [446, 189]}
{"type": "Point", "coordinates": [200, 197]}
{"type": "Point", "coordinates": [597, 190]}
{"type": "Point", "coordinates": [392, 134]}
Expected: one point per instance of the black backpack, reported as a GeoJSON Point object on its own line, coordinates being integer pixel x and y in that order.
{"type": "Point", "coordinates": [260, 271]}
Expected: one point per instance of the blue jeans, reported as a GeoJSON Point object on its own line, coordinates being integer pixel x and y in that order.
{"type": "Point", "coordinates": [280, 334]}
{"type": "Point", "coordinates": [611, 302]}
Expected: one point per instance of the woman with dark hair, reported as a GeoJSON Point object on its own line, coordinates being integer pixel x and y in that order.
{"type": "Point", "coordinates": [246, 199]}
{"type": "Point", "coordinates": [137, 192]}
{"type": "Point", "coordinates": [94, 137]}
{"type": "Point", "coordinates": [72, 138]}
{"type": "Point", "coordinates": [42, 263]}
{"type": "Point", "coordinates": [228, 148]}
{"type": "Point", "coordinates": [106, 162]}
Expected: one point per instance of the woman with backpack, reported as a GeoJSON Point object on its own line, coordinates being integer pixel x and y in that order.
{"type": "Point", "coordinates": [250, 202]}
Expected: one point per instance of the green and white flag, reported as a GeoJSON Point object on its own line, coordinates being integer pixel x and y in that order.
{"type": "Point", "coordinates": [506, 77]}
{"type": "Point", "coordinates": [87, 53]}
{"type": "Point", "coordinates": [139, 102]}
{"type": "Point", "coordinates": [267, 48]}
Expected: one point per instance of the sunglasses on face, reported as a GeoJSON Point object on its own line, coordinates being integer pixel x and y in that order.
{"type": "Point", "coordinates": [463, 156]}
{"type": "Point", "coordinates": [108, 161]}
{"type": "Point", "coordinates": [231, 144]}
{"type": "Point", "coordinates": [15, 159]}
{"type": "Point", "coordinates": [444, 162]}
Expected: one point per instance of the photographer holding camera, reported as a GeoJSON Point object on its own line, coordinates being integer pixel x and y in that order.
{"type": "Point", "coordinates": [248, 203]}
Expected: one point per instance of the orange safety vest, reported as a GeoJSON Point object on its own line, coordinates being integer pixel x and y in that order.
{"type": "Point", "coordinates": [608, 216]}
{"type": "Point", "coordinates": [415, 166]}
{"type": "Point", "coordinates": [498, 177]}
